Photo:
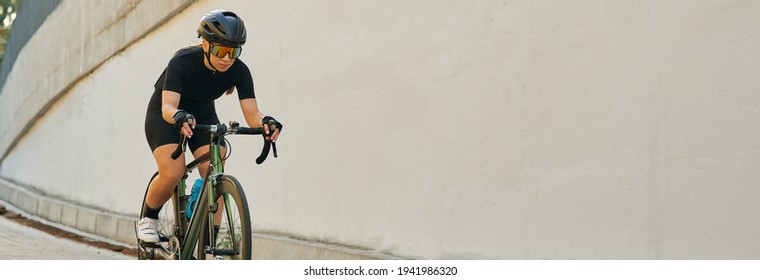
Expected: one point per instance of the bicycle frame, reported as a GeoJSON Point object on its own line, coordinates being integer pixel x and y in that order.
{"type": "Point", "coordinates": [182, 240]}
{"type": "Point", "coordinates": [192, 231]}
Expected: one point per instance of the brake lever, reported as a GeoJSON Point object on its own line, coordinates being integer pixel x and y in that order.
{"type": "Point", "coordinates": [267, 145]}
{"type": "Point", "coordinates": [181, 148]}
{"type": "Point", "coordinates": [272, 128]}
{"type": "Point", "coordinates": [182, 142]}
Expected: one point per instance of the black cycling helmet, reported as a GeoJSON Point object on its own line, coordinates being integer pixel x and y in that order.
{"type": "Point", "coordinates": [224, 27]}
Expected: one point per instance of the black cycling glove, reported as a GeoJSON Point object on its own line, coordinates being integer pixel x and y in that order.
{"type": "Point", "coordinates": [180, 118]}
{"type": "Point", "coordinates": [270, 121]}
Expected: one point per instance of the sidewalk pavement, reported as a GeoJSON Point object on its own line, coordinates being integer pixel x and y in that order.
{"type": "Point", "coordinates": [20, 242]}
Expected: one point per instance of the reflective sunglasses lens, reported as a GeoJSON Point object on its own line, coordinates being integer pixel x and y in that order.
{"type": "Point", "coordinates": [216, 50]}
{"type": "Point", "coordinates": [222, 51]}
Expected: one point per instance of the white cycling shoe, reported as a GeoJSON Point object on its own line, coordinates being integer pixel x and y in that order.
{"type": "Point", "coordinates": [147, 230]}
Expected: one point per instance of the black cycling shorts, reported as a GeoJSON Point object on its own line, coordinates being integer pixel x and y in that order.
{"type": "Point", "coordinates": [159, 132]}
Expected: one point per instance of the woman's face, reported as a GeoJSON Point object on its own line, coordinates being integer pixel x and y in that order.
{"type": "Point", "coordinates": [222, 64]}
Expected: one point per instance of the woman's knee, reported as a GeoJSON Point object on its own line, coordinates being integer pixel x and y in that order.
{"type": "Point", "coordinates": [170, 176]}
{"type": "Point", "coordinates": [169, 170]}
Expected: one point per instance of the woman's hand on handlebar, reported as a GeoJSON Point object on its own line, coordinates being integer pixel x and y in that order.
{"type": "Point", "coordinates": [274, 136]}
{"type": "Point", "coordinates": [187, 128]}
{"type": "Point", "coordinates": [185, 123]}
{"type": "Point", "coordinates": [268, 121]}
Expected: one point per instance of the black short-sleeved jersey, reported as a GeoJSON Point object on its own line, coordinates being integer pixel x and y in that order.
{"type": "Point", "coordinates": [197, 85]}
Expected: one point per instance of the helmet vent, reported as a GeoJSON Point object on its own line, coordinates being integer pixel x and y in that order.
{"type": "Point", "coordinates": [219, 27]}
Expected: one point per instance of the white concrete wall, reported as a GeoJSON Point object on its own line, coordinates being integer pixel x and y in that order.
{"type": "Point", "coordinates": [452, 129]}
{"type": "Point", "coordinates": [75, 39]}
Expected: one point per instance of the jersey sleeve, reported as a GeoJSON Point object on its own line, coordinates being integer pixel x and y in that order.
{"type": "Point", "coordinates": [175, 72]}
{"type": "Point", "coordinates": [244, 83]}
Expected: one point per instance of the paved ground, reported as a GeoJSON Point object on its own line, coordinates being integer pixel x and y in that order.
{"type": "Point", "coordinates": [25, 239]}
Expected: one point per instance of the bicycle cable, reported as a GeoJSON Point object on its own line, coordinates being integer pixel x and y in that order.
{"type": "Point", "coordinates": [229, 149]}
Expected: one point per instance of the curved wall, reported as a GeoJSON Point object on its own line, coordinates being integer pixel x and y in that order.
{"type": "Point", "coordinates": [439, 130]}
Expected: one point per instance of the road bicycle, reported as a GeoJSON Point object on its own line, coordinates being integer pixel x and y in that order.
{"type": "Point", "coordinates": [204, 235]}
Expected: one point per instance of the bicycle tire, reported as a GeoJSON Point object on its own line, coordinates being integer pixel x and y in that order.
{"type": "Point", "coordinates": [168, 221]}
{"type": "Point", "coordinates": [239, 222]}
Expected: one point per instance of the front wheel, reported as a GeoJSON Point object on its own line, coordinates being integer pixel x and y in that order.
{"type": "Point", "coordinates": [233, 240]}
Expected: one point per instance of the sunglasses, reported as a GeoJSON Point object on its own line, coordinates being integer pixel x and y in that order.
{"type": "Point", "coordinates": [222, 51]}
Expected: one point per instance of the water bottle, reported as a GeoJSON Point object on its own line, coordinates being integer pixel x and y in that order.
{"type": "Point", "coordinates": [193, 197]}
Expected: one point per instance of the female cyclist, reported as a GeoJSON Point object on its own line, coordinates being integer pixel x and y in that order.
{"type": "Point", "coordinates": [184, 94]}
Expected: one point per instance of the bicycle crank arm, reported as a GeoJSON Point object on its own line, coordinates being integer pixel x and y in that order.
{"type": "Point", "coordinates": [170, 252]}
{"type": "Point", "coordinates": [165, 252]}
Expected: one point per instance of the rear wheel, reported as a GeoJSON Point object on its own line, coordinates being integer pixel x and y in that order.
{"type": "Point", "coordinates": [233, 240]}
{"type": "Point", "coordinates": [168, 225]}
